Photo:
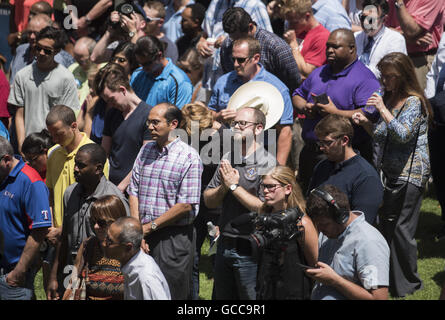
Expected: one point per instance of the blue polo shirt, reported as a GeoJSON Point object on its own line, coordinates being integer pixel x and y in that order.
{"type": "Point", "coordinates": [331, 14]}
{"type": "Point", "coordinates": [355, 177]}
{"type": "Point", "coordinates": [230, 82]}
{"type": "Point", "coordinates": [24, 206]}
{"type": "Point", "coordinates": [349, 89]}
{"type": "Point", "coordinates": [163, 88]}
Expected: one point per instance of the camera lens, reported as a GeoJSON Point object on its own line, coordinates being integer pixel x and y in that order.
{"type": "Point", "coordinates": [126, 9]}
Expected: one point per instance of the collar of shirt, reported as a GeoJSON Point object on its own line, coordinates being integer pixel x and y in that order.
{"type": "Point", "coordinates": [166, 71]}
{"type": "Point", "coordinates": [166, 148]}
{"type": "Point", "coordinates": [100, 189]}
{"type": "Point", "coordinates": [16, 170]}
{"type": "Point", "coordinates": [127, 268]}
{"type": "Point", "coordinates": [260, 75]}
{"type": "Point", "coordinates": [317, 5]}
{"type": "Point", "coordinates": [73, 153]}
{"type": "Point", "coordinates": [42, 75]}
{"type": "Point", "coordinates": [344, 72]}
{"type": "Point", "coordinates": [339, 166]}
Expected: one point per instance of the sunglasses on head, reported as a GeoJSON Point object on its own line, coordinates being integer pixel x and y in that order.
{"type": "Point", "coordinates": [47, 51]}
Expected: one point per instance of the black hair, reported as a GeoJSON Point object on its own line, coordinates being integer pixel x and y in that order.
{"type": "Point", "coordinates": [149, 46]}
{"type": "Point", "coordinates": [378, 3]}
{"type": "Point", "coordinates": [236, 20]}
{"type": "Point", "coordinates": [172, 113]}
{"type": "Point", "coordinates": [54, 34]}
{"type": "Point", "coordinates": [37, 142]}
{"type": "Point", "coordinates": [128, 49]}
{"type": "Point", "coordinates": [96, 152]}
{"type": "Point", "coordinates": [198, 12]}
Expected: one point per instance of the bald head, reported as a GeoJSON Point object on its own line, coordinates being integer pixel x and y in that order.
{"type": "Point", "coordinates": [36, 24]}
{"type": "Point", "coordinates": [40, 7]}
{"type": "Point", "coordinates": [82, 51]}
{"type": "Point", "coordinates": [345, 34]}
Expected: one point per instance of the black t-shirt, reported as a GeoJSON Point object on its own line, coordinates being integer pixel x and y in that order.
{"type": "Point", "coordinates": [127, 137]}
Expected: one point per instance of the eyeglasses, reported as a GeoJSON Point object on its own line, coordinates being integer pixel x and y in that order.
{"type": "Point", "coordinates": [152, 19]}
{"type": "Point", "coordinates": [155, 122]}
{"type": "Point", "coordinates": [102, 223]}
{"type": "Point", "coordinates": [47, 51]}
{"type": "Point", "coordinates": [118, 59]}
{"type": "Point", "coordinates": [326, 143]}
{"type": "Point", "coordinates": [242, 124]}
{"type": "Point", "coordinates": [270, 187]}
{"type": "Point", "coordinates": [363, 17]}
{"type": "Point", "coordinates": [109, 242]}
{"type": "Point", "coordinates": [240, 60]}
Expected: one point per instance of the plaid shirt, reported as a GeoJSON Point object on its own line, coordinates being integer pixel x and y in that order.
{"type": "Point", "coordinates": [163, 178]}
{"type": "Point", "coordinates": [276, 57]}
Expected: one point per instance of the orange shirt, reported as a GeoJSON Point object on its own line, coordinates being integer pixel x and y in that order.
{"type": "Point", "coordinates": [22, 8]}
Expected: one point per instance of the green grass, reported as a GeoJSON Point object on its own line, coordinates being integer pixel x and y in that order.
{"type": "Point", "coordinates": [431, 261]}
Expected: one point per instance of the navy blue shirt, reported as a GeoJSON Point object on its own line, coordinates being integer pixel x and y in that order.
{"type": "Point", "coordinates": [24, 206]}
{"type": "Point", "coordinates": [355, 177]}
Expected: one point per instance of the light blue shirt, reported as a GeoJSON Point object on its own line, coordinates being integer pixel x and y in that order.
{"type": "Point", "coordinates": [360, 254]}
{"type": "Point", "coordinates": [172, 85]}
{"type": "Point", "coordinates": [172, 25]}
{"type": "Point", "coordinates": [331, 15]}
{"type": "Point", "coordinates": [229, 82]}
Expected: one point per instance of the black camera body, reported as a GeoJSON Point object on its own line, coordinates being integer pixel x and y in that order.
{"type": "Point", "coordinates": [276, 228]}
{"type": "Point", "coordinates": [124, 8]}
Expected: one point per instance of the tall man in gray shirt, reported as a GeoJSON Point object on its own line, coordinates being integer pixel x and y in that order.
{"type": "Point", "coordinates": [41, 85]}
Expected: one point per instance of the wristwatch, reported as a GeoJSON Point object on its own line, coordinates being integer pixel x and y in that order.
{"type": "Point", "coordinates": [153, 226]}
{"type": "Point", "coordinates": [398, 5]}
{"type": "Point", "coordinates": [88, 21]}
{"type": "Point", "coordinates": [233, 187]}
{"type": "Point", "coordinates": [131, 34]}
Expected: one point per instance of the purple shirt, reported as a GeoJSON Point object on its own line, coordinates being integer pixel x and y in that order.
{"type": "Point", "coordinates": [163, 178]}
{"type": "Point", "coordinates": [348, 90]}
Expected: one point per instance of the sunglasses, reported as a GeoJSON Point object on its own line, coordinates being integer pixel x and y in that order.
{"type": "Point", "coordinates": [47, 51]}
{"type": "Point", "coordinates": [327, 143]}
{"type": "Point", "coordinates": [240, 60]}
{"type": "Point", "coordinates": [102, 223]}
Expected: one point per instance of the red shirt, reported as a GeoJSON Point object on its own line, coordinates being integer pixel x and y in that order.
{"type": "Point", "coordinates": [428, 14]}
{"type": "Point", "coordinates": [314, 46]}
{"type": "Point", "coordinates": [22, 8]}
{"type": "Point", "coordinates": [4, 93]}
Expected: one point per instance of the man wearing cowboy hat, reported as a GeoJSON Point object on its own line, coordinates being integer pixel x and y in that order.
{"type": "Point", "coordinates": [235, 186]}
{"type": "Point", "coordinates": [246, 56]}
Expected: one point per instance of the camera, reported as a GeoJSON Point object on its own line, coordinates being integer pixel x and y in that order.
{"type": "Point", "coordinates": [124, 8]}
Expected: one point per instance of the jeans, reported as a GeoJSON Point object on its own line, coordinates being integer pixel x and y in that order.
{"type": "Point", "coordinates": [235, 275]}
{"type": "Point", "coordinates": [8, 292]}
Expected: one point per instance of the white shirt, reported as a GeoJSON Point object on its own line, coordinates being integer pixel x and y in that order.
{"type": "Point", "coordinates": [385, 41]}
{"type": "Point", "coordinates": [433, 74]}
{"type": "Point", "coordinates": [143, 280]}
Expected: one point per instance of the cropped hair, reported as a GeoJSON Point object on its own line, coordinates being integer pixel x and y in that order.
{"type": "Point", "coordinates": [54, 34]}
{"type": "Point", "coordinates": [158, 6]}
{"type": "Point", "coordinates": [60, 113]}
{"type": "Point", "coordinates": [198, 12]}
{"type": "Point", "coordinates": [236, 19]}
{"type": "Point", "coordinates": [5, 147]}
{"type": "Point", "coordinates": [111, 76]}
{"type": "Point", "coordinates": [383, 4]}
{"type": "Point", "coordinates": [130, 231]}
{"type": "Point", "coordinates": [336, 126]}
{"type": "Point", "coordinates": [317, 207]}
{"type": "Point", "coordinates": [252, 43]}
{"type": "Point", "coordinates": [172, 113]}
{"type": "Point", "coordinates": [298, 7]}
{"type": "Point", "coordinates": [96, 152]}
{"type": "Point", "coordinates": [149, 47]}
{"type": "Point", "coordinates": [128, 50]}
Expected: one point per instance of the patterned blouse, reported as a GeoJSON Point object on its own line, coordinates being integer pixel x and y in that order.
{"type": "Point", "coordinates": [400, 145]}
{"type": "Point", "coordinates": [105, 279]}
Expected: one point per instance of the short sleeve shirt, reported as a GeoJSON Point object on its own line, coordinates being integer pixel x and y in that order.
{"type": "Point", "coordinates": [360, 254]}
{"type": "Point", "coordinates": [24, 206]}
{"type": "Point", "coordinates": [314, 46]}
{"type": "Point", "coordinates": [37, 92]}
{"type": "Point", "coordinates": [349, 89]}
{"type": "Point", "coordinates": [250, 170]}
{"type": "Point", "coordinates": [127, 137]}
{"type": "Point", "coordinates": [162, 178]}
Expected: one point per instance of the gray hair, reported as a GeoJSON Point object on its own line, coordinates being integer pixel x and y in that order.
{"type": "Point", "coordinates": [131, 231]}
{"type": "Point", "coordinates": [5, 147]}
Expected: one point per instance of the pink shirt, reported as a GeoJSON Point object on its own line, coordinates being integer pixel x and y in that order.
{"type": "Point", "coordinates": [314, 46]}
{"type": "Point", "coordinates": [429, 14]}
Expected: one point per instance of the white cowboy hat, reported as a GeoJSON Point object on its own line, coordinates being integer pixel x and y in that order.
{"type": "Point", "coordinates": [259, 95]}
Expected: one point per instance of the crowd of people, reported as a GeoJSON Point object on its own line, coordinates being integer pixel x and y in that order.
{"type": "Point", "coordinates": [121, 142]}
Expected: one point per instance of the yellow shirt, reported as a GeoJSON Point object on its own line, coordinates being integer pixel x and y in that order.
{"type": "Point", "coordinates": [60, 174]}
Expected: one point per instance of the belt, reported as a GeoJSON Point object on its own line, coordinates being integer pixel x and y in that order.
{"type": "Point", "coordinates": [422, 54]}
{"type": "Point", "coordinates": [242, 246]}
